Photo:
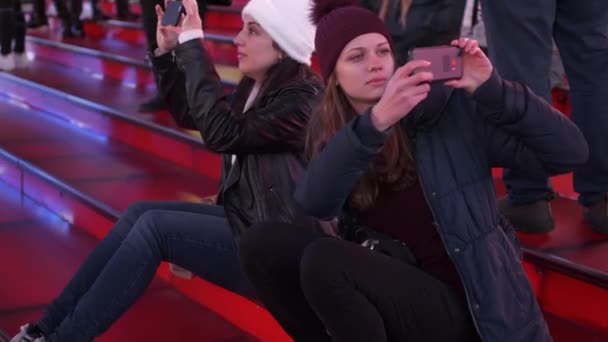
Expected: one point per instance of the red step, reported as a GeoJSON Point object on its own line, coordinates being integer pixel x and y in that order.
{"type": "Point", "coordinates": [162, 142]}
{"type": "Point", "coordinates": [566, 331]}
{"type": "Point", "coordinates": [218, 17]}
{"type": "Point", "coordinates": [120, 52]}
{"type": "Point", "coordinates": [87, 80]}
{"type": "Point", "coordinates": [567, 266]}
{"type": "Point", "coordinates": [93, 164]}
{"type": "Point", "coordinates": [92, 85]}
{"type": "Point", "coordinates": [218, 41]}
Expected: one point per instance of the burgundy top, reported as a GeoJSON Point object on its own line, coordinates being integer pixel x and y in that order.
{"type": "Point", "coordinates": [405, 216]}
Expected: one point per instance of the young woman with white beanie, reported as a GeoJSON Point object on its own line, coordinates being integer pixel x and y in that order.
{"type": "Point", "coordinates": [260, 131]}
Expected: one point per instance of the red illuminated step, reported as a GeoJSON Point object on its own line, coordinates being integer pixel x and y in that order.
{"type": "Point", "coordinates": [165, 143]}
{"type": "Point", "coordinates": [218, 17]}
{"type": "Point", "coordinates": [119, 51]}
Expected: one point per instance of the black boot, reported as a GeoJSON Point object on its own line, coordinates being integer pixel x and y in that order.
{"type": "Point", "coordinates": [535, 217]}
{"type": "Point", "coordinates": [38, 18]}
{"type": "Point", "coordinates": [153, 104]}
{"type": "Point", "coordinates": [77, 27]}
{"type": "Point", "coordinates": [597, 216]}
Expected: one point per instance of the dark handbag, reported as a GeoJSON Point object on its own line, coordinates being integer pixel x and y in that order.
{"type": "Point", "coordinates": [351, 230]}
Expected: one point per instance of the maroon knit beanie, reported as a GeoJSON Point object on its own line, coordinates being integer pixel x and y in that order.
{"type": "Point", "coordinates": [338, 22]}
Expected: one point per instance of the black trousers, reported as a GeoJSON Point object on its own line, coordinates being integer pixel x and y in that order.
{"type": "Point", "coordinates": [122, 6]}
{"type": "Point", "coordinates": [39, 14]}
{"type": "Point", "coordinates": [12, 27]}
{"type": "Point", "coordinates": [321, 288]}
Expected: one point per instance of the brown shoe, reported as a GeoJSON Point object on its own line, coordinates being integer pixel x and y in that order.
{"type": "Point", "coordinates": [597, 216]}
{"type": "Point", "coordinates": [531, 218]}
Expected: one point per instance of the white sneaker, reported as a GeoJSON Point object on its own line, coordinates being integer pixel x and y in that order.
{"type": "Point", "coordinates": [22, 61]}
{"type": "Point", "coordinates": [7, 63]}
{"type": "Point", "coordinates": [24, 335]}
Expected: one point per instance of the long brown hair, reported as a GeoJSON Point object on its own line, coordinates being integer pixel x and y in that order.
{"type": "Point", "coordinates": [384, 8]}
{"type": "Point", "coordinates": [394, 167]}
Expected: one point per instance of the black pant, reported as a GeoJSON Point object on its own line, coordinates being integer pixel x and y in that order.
{"type": "Point", "coordinates": [316, 285]}
{"type": "Point", "coordinates": [122, 7]}
{"type": "Point", "coordinates": [12, 27]}
{"type": "Point", "coordinates": [39, 14]}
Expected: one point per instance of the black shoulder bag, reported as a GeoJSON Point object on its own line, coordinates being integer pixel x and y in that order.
{"type": "Point", "coordinates": [351, 230]}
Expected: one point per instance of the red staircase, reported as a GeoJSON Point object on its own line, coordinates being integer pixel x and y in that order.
{"type": "Point", "coordinates": [74, 153]}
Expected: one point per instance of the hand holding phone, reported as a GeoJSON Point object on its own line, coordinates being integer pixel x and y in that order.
{"type": "Point", "coordinates": [476, 66]}
{"type": "Point", "coordinates": [446, 61]}
{"type": "Point", "coordinates": [403, 92]}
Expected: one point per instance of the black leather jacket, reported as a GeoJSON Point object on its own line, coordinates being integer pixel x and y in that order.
{"type": "Point", "coordinates": [267, 140]}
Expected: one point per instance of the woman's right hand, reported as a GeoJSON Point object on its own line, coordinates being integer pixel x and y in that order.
{"type": "Point", "coordinates": [403, 92]}
{"type": "Point", "coordinates": [166, 36]}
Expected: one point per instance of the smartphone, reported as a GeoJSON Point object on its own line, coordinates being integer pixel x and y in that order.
{"type": "Point", "coordinates": [446, 61]}
{"type": "Point", "coordinates": [173, 13]}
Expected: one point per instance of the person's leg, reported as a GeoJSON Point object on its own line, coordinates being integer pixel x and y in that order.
{"type": "Point", "coordinates": [98, 14]}
{"type": "Point", "coordinates": [123, 12]}
{"type": "Point", "coordinates": [363, 295]}
{"type": "Point", "coordinates": [270, 255]}
{"type": "Point", "coordinates": [581, 34]}
{"type": "Point", "coordinates": [520, 40]}
{"type": "Point", "coordinates": [149, 22]}
{"type": "Point", "coordinates": [88, 272]}
{"type": "Point", "coordinates": [19, 31]}
{"type": "Point", "coordinates": [75, 12]}
{"type": "Point", "coordinates": [149, 19]}
{"type": "Point", "coordinates": [201, 243]}
{"type": "Point", "coordinates": [7, 27]}
{"type": "Point", "coordinates": [64, 15]}
{"type": "Point", "coordinates": [39, 17]}
{"type": "Point", "coordinates": [7, 24]}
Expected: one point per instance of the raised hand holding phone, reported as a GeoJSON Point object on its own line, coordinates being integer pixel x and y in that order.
{"type": "Point", "coordinates": [404, 91]}
{"type": "Point", "coordinates": [476, 66]}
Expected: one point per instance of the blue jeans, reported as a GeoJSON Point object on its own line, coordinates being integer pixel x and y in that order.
{"type": "Point", "coordinates": [520, 41]}
{"type": "Point", "coordinates": [194, 236]}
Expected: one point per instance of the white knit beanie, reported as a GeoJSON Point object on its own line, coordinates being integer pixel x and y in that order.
{"type": "Point", "coordinates": [288, 24]}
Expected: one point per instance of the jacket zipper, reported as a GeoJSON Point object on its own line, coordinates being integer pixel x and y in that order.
{"type": "Point", "coordinates": [257, 196]}
{"type": "Point", "coordinates": [445, 246]}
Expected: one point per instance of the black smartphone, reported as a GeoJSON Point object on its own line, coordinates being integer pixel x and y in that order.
{"type": "Point", "coordinates": [173, 13]}
{"type": "Point", "coordinates": [446, 61]}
